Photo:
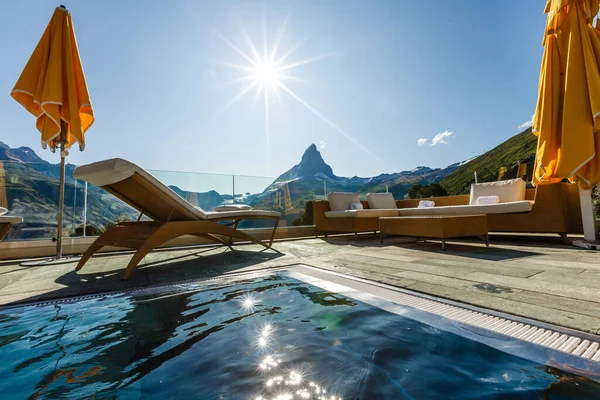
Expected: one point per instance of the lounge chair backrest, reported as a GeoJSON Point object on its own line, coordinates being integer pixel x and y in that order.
{"type": "Point", "coordinates": [138, 188]}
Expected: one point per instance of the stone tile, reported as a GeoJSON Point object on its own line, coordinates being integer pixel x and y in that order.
{"type": "Point", "coordinates": [553, 262]}
{"type": "Point", "coordinates": [560, 303]}
{"type": "Point", "coordinates": [497, 267]}
{"type": "Point", "coordinates": [391, 255]}
{"type": "Point", "coordinates": [557, 288]}
{"type": "Point", "coordinates": [355, 258]}
{"type": "Point", "coordinates": [573, 278]}
{"type": "Point", "coordinates": [421, 266]}
{"type": "Point", "coordinates": [498, 290]}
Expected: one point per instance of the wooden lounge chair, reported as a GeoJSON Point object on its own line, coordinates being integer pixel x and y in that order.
{"type": "Point", "coordinates": [6, 223]}
{"type": "Point", "coordinates": [171, 215]}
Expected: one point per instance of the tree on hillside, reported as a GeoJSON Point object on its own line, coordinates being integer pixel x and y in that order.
{"type": "Point", "coordinates": [424, 191]}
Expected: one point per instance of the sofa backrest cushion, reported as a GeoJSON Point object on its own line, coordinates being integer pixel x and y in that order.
{"type": "Point", "coordinates": [507, 191]}
{"type": "Point", "coordinates": [381, 201]}
{"type": "Point", "coordinates": [339, 201]}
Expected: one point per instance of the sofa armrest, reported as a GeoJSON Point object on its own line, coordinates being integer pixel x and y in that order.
{"type": "Point", "coordinates": [320, 207]}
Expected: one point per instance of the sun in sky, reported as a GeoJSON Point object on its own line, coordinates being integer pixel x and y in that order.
{"type": "Point", "coordinates": [268, 73]}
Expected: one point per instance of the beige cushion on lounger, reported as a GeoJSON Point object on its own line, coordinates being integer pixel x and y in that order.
{"type": "Point", "coordinates": [232, 207]}
{"type": "Point", "coordinates": [382, 201]}
{"type": "Point", "coordinates": [508, 191]}
{"type": "Point", "coordinates": [341, 201]}
{"type": "Point", "coordinates": [499, 208]}
{"type": "Point", "coordinates": [233, 214]}
{"type": "Point", "coordinates": [9, 219]}
{"type": "Point", "coordinates": [368, 213]}
{"type": "Point", "coordinates": [3, 210]}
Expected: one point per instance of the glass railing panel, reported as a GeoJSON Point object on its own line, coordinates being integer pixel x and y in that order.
{"type": "Point", "coordinates": [100, 210]}
{"type": "Point", "coordinates": [31, 191]}
{"type": "Point", "coordinates": [287, 197]}
{"type": "Point", "coordinates": [201, 190]}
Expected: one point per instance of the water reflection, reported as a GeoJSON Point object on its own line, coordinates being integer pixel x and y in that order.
{"type": "Point", "coordinates": [283, 383]}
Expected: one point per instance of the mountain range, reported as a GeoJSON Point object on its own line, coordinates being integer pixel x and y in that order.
{"type": "Point", "coordinates": [29, 187]}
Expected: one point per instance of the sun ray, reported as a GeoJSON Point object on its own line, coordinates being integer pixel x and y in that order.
{"type": "Point", "coordinates": [267, 133]}
{"type": "Point", "coordinates": [265, 51]}
{"type": "Point", "coordinates": [239, 80]}
{"type": "Point", "coordinates": [288, 53]}
{"type": "Point", "coordinates": [307, 61]}
{"type": "Point", "coordinates": [237, 49]}
{"type": "Point", "coordinates": [334, 126]}
{"type": "Point", "coordinates": [237, 66]}
{"type": "Point", "coordinates": [279, 37]}
{"type": "Point", "coordinates": [257, 95]}
{"type": "Point", "coordinates": [289, 78]}
{"type": "Point", "coordinates": [239, 95]}
{"type": "Point", "coordinates": [249, 42]}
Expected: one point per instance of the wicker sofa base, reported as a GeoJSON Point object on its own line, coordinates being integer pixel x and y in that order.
{"type": "Point", "coordinates": [436, 227]}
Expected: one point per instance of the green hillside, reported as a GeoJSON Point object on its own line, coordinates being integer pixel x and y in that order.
{"type": "Point", "coordinates": [518, 149]}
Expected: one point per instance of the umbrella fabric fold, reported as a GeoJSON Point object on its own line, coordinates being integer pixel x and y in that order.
{"type": "Point", "coordinates": [52, 86]}
{"type": "Point", "coordinates": [567, 117]}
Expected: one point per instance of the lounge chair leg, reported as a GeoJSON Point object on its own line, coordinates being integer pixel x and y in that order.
{"type": "Point", "coordinates": [4, 229]}
{"type": "Point", "coordinates": [273, 233]}
{"type": "Point", "coordinates": [235, 226]}
{"type": "Point", "coordinates": [94, 247]}
{"type": "Point", "coordinates": [443, 244]}
{"type": "Point", "coordinates": [355, 235]}
{"type": "Point", "coordinates": [381, 237]}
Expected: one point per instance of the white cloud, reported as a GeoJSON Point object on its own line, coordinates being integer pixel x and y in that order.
{"type": "Point", "coordinates": [526, 124]}
{"type": "Point", "coordinates": [322, 144]}
{"type": "Point", "coordinates": [441, 138]}
{"type": "Point", "coordinates": [422, 141]}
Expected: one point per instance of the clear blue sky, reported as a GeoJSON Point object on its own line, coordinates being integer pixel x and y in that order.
{"type": "Point", "coordinates": [387, 74]}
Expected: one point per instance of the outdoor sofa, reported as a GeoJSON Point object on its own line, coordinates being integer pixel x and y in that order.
{"type": "Point", "coordinates": [171, 216]}
{"type": "Point", "coordinates": [549, 208]}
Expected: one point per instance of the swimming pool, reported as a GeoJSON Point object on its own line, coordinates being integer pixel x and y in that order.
{"type": "Point", "coordinates": [265, 336]}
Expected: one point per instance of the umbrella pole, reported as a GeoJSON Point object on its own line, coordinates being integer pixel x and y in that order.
{"type": "Point", "coordinates": [61, 201]}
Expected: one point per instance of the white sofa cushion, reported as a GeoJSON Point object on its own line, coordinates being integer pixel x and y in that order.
{"type": "Point", "coordinates": [356, 206]}
{"type": "Point", "coordinates": [382, 201]}
{"type": "Point", "coordinates": [339, 201]}
{"type": "Point", "coordinates": [426, 203]}
{"type": "Point", "coordinates": [368, 213]}
{"type": "Point", "coordinates": [499, 208]}
{"type": "Point", "coordinates": [232, 207]}
{"type": "Point", "coordinates": [507, 191]}
{"type": "Point", "coordinates": [487, 200]}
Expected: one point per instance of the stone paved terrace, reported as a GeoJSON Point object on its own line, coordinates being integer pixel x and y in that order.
{"type": "Point", "coordinates": [539, 278]}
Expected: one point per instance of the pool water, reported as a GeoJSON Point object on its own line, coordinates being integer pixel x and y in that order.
{"type": "Point", "coordinates": [262, 338]}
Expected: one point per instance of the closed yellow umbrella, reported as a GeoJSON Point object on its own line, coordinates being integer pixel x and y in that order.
{"type": "Point", "coordinates": [567, 117]}
{"type": "Point", "coordinates": [52, 87]}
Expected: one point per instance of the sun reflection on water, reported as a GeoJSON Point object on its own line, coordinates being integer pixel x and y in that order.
{"type": "Point", "coordinates": [282, 383]}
